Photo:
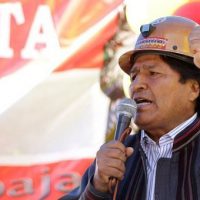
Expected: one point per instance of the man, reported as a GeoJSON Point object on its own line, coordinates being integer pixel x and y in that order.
{"type": "Point", "coordinates": [161, 161]}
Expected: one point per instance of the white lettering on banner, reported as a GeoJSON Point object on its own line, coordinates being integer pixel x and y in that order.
{"type": "Point", "coordinates": [26, 186]}
{"type": "Point", "coordinates": [42, 39]}
{"type": "Point", "coordinates": [70, 181]}
{"type": "Point", "coordinates": [21, 187]}
{"type": "Point", "coordinates": [6, 11]}
{"type": "Point", "coordinates": [2, 188]}
{"type": "Point", "coordinates": [45, 184]}
{"type": "Point", "coordinates": [42, 32]}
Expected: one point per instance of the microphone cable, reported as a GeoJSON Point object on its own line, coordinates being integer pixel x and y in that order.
{"type": "Point", "coordinates": [114, 182]}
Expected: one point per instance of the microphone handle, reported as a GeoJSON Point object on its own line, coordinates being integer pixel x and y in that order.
{"type": "Point", "coordinates": [123, 123]}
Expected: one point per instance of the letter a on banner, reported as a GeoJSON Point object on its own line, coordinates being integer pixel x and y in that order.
{"type": "Point", "coordinates": [43, 33]}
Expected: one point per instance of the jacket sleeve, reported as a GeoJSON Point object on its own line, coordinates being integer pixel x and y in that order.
{"type": "Point", "coordinates": [86, 191]}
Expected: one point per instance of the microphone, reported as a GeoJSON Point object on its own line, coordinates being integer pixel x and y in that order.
{"type": "Point", "coordinates": [125, 110]}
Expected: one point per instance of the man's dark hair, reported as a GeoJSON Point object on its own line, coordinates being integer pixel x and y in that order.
{"type": "Point", "coordinates": [187, 71]}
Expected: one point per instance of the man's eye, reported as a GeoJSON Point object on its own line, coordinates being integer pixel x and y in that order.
{"type": "Point", "coordinates": [132, 77]}
{"type": "Point", "coordinates": [154, 73]}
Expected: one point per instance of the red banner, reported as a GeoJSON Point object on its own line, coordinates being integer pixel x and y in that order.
{"type": "Point", "coordinates": [45, 181]}
{"type": "Point", "coordinates": [29, 28]}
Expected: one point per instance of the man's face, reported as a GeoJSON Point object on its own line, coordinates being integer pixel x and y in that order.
{"type": "Point", "coordinates": [163, 102]}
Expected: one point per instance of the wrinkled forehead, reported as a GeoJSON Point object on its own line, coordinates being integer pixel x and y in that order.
{"type": "Point", "coordinates": [146, 56]}
{"type": "Point", "coordinates": [146, 61]}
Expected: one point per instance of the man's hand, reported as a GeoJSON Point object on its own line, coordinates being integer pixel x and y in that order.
{"type": "Point", "coordinates": [194, 40]}
{"type": "Point", "coordinates": [110, 162]}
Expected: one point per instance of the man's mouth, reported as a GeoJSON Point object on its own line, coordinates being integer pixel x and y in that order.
{"type": "Point", "coordinates": [142, 101]}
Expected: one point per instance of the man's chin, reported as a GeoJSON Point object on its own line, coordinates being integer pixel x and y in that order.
{"type": "Point", "coordinates": [143, 122]}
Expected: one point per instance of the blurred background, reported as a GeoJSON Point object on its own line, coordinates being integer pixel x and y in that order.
{"type": "Point", "coordinates": [59, 85]}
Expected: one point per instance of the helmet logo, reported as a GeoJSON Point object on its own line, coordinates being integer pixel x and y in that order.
{"type": "Point", "coordinates": [151, 43]}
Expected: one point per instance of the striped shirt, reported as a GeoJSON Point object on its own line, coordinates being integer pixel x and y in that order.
{"type": "Point", "coordinates": [163, 149]}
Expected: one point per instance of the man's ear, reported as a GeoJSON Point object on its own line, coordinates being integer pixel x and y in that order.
{"type": "Point", "coordinates": [195, 90]}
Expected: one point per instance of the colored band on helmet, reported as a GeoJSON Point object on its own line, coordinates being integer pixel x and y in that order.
{"type": "Point", "coordinates": [184, 58]}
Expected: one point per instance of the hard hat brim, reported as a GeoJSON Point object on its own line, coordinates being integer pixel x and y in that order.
{"type": "Point", "coordinates": [127, 59]}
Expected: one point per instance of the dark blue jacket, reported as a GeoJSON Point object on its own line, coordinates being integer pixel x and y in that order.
{"type": "Point", "coordinates": [177, 178]}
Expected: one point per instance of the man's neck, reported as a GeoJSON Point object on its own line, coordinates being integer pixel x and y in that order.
{"type": "Point", "coordinates": [156, 134]}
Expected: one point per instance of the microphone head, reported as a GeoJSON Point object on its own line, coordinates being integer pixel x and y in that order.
{"type": "Point", "coordinates": [126, 106]}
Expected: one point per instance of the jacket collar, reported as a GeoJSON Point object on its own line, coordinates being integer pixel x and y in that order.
{"type": "Point", "coordinates": [187, 135]}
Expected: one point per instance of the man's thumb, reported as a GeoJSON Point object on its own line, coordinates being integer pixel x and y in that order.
{"type": "Point", "coordinates": [129, 151]}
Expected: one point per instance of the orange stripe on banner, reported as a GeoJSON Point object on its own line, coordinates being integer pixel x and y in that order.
{"type": "Point", "coordinates": [46, 181]}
